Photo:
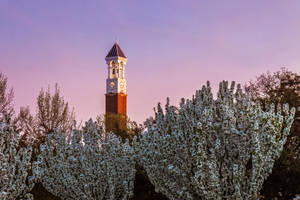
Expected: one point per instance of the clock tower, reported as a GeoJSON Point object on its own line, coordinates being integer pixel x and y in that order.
{"type": "Point", "coordinates": [116, 97]}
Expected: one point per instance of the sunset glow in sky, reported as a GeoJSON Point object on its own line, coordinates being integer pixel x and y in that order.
{"type": "Point", "coordinates": [173, 47]}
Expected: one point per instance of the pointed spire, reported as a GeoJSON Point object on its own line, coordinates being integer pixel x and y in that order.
{"type": "Point", "coordinates": [115, 51]}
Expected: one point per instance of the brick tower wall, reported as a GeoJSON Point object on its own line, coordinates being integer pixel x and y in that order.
{"type": "Point", "coordinates": [116, 103]}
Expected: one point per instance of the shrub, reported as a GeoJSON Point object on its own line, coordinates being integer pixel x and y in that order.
{"type": "Point", "coordinates": [14, 165]}
{"type": "Point", "coordinates": [213, 149]}
{"type": "Point", "coordinates": [86, 165]}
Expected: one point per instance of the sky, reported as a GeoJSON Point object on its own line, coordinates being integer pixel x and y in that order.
{"type": "Point", "coordinates": [173, 47]}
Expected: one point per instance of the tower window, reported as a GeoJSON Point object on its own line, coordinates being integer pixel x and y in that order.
{"type": "Point", "coordinates": [113, 73]}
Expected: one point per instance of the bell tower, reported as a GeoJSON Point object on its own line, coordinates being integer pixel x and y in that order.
{"type": "Point", "coordinates": [116, 97]}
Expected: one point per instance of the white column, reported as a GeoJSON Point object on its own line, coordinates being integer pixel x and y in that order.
{"type": "Point", "coordinates": [124, 71]}
{"type": "Point", "coordinates": [121, 71]}
{"type": "Point", "coordinates": [118, 70]}
{"type": "Point", "coordinates": [109, 72]}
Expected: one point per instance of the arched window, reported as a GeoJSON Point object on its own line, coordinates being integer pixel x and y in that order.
{"type": "Point", "coordinates": [112, 67]}
{"type": "Point", "coordinates": [121, 70]}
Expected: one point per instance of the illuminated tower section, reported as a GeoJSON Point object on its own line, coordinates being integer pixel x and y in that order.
{"type": "Point", "coordinates": [116, 97]}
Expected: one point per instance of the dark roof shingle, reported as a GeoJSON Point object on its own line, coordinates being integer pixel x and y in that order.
{"type": "Point", "coordinates": [115, 51]}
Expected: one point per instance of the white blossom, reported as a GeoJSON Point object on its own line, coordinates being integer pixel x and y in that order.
{"type": "Point", "coordinates": [86, 165]}
{"type": "Point", "coordinates": [14, 165]}
{"type": "Point", "coordinates": [209, 148]}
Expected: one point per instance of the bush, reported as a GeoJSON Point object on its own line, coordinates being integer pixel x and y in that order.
{"type": "Point", "coordinates": [86, 165]}
{"type": "Point", "coordinates": [213, 149]}
{"type": "Point", "coordinates": [281, 87]}
{"type": "Point", "coordinates": [15, 165]}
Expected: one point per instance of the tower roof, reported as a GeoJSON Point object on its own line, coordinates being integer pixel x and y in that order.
{"type": "Point", "coordinates": [115, 51]}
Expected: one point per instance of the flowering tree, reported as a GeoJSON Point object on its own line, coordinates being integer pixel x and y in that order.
{"type": "Point", "coordinates": [213, 149]}
{"type": "Point", "coordinates": [14, 166]}
{"type": "Point", "coordinates": [281, 87]}
{"type": "Point", "coordinates": [6, 99]}
{"type": "Point", "coordinates": [86, 165]}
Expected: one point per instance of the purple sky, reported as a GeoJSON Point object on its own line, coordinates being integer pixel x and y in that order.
{"type": "Point", "coordinates": [173, 47]}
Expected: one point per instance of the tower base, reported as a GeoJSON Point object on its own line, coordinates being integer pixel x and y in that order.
{"type": "Point", "coordinates": [116, 113]}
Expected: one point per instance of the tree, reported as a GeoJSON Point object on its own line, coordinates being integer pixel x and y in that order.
{"type": "Point", "coordinates": [86, 165]}
{"type": "Point", "coordinates": [14, 165]}
{"type": "Point", "coordinates": [25, 125]}
{"type": "Point", "coordinates": [278, 88]}
{"type": "Point", "coordinates": [213, 149]}
{"type": "Point", "coordinates": [281, 87]}
{"type": "Point", "coordinates": [116, 123]}
{"type": "Point", "coordinates": [120, 125]}
{"type": "Point", "coordinates": [53, 113]}
{"type": "Point", "coordinates": [6, 98]}
{"type": "Point", "coordinates": [134, 128]}
{"type": "Point", "coordinates": [143, 189]}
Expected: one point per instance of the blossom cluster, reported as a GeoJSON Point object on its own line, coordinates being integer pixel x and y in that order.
{"type": "Point", "coordinates": [208, 148]}
{"type": "Point", "coordinates": [15, 165]}
{"type": "Point", "coordinates": [86, 165]}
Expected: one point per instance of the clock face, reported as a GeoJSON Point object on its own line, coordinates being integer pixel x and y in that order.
{"type": "Point", "coordinates": [111, 84]}
{"type": "Point", "coordinates": [122, 85]}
